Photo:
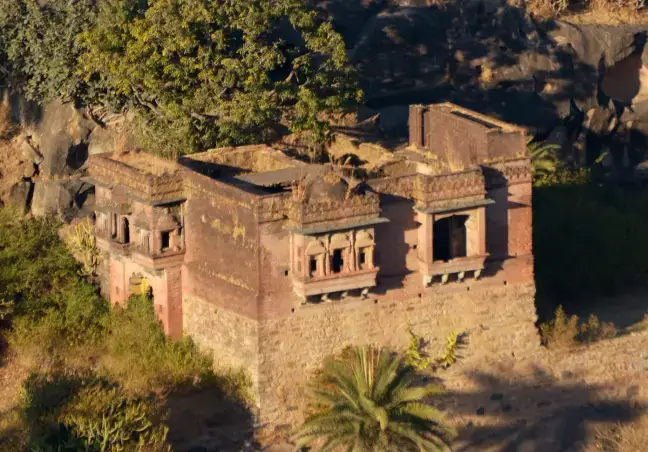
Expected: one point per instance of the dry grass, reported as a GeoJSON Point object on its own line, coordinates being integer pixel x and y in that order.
{"type": "Point", "coordinates": [630, 437]}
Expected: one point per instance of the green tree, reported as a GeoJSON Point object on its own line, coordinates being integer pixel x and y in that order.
{"type": "Point", "coordinates": [39, 40]}
{"type": "Point", "coordinates": [371, 401]}
{"type": "Point", "coordinates": [204, 73]}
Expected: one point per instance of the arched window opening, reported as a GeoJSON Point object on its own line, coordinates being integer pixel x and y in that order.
{"type": "Point", "coordinates": [337, 261]}
{"type": "Point", "coordinates": [363, 258]}
{"type": "Point", "coordinates": [126, 231]}
{"type": "Point", "coordinates": [313, 267]}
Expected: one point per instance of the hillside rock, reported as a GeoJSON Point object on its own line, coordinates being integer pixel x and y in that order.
{"type": "Point", "coordinates": [498, 60]}
{"type": "Point", "coordinates": [65, 199]}
{"type": "Point", "coordinates": [21, 195]}
{"type": "Point", "coordinates": [61, 137]}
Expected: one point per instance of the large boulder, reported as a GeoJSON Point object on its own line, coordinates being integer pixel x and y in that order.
{"type": "Point", "coordinates": [63, 198]}
{"type": "Point", "coordinates": [21, 195]}
{"type": "Point", "coordinates": [61, 137]}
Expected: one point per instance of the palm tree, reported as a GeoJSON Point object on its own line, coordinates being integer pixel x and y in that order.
{"type": "Point", "coordinates": [370, 401]}
{"type": "Point", "coordinates": [543, 158]}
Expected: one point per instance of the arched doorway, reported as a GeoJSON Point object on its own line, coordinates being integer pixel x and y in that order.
{"type": "Point", "coordinates": [139, 285]}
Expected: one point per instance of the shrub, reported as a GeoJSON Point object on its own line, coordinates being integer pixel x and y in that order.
{"type": "Point", "coordinates": [413, 353]}
{"type": "Point", "coordinates": [449, 355]}
{"type": "Point", "coordinates": [564, 331]}
{"type": "Point", "coordinates": [143, 357]}
{"type": "Point", "coordinates": [626, 437]}
{"type": "Point", "coordinates": [581, 231]}
{"type": "Point", "coordinates": [83, 246]}
{"type": "Point", "coordinates": [561, 332]}
{"type": "Point", "coordinates": [51, 307]}
{"type": "Point", "coordinates": [83, 412]}
{"type": "Point", "coordinates": [593, 330]}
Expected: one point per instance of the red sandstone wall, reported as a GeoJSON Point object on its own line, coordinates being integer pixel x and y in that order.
{"type": "Point", "coordinates": [222, 256]}
{"type": "Point", "coordinates": [520, 218]}
{"type": "Point", "coordinates": [461, 141]}
{"type": "Point", "coordinates": [276, 281]}
{"type": "Point", "coordinates": [396, 241]}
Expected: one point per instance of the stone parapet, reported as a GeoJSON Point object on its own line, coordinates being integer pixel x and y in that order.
{"type": "Point", "coordinates": [301, 214]}
{"type": "Point", "coordinates": [148, 187]}
{"type": "Point", "coordinates": [428, 188]}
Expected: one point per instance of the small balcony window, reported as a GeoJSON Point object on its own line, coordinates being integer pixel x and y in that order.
{"type": "Point", "coordinates": [312, 266]}
{"type": "Point", "coordinates": [166, 240]}
{"type": "Point", "coordinates": [450, 238]}
{"type": "Point", "coordinates": [363, 258]}
{"type": "Point", "coordinates": [125, 231]}
{"type": "Point", "coordinates": [337, 261]}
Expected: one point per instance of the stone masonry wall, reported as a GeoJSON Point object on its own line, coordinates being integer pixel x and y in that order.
{"type": "Point", "coordinates": [231, 338]}
{"type": "Point", "coordinates": [499, 321]}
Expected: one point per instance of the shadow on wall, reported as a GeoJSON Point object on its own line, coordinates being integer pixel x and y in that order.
{"type": "Point", "coordinates": [538, 413]}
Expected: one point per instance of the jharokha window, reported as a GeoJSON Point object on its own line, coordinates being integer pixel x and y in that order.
{"type": "Point", "coordinates": [340, 245]}
{"type": "Point", "coordinates": [166, 240]}
{"type": "Point", "coordinates": [364, 251]}
{"type": "Point", "coordinates": [337, 261]}
{"type": "Point", "coordinates": [450, 238]}
{"type": "Point", "coordinates": [315, 253]}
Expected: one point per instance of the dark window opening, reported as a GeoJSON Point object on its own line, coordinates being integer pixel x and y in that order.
{"type": "Point", "coordinates": [126, 227]}
{"type": "Point", "coordinates": [166, 240]}
{"type": "Point", "coordinates": [362, 258]}
{"type": "Point", "coordinates": [337, 263]}
{"type": "Point", "coordinates": [313, 266]}
{"type": "Point", "coordinates": [113, 225]}
{"type": "Point", "coordinates": [450, 238]}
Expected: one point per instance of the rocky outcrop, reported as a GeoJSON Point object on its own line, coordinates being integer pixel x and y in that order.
{"type": "Point", "coordinates": [21, 195]}
{"type": "Point", "coordinates": [496, 59]}
{"type": "Point", "coordinates": [64, 199]}
{"type": "Point", "coordinates": [61, 138]}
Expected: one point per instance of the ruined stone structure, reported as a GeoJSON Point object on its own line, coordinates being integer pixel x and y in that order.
{"type": "Point", "coordinates": [272, 263]}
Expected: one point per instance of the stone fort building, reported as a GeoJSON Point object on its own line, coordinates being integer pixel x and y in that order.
{"type": "Point", "coordinates": [273, 263]}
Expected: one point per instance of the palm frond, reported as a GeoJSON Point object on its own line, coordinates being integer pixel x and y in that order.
{"type": "Point", "coordinates": [372, 402]}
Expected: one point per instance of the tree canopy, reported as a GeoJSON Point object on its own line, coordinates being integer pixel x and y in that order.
{"type": "Point", "coordinates": [219, 72]}
{"type": "Point", "coordinates": [197, 73]}
{"type": "Point", "coordinates": [39, 42]}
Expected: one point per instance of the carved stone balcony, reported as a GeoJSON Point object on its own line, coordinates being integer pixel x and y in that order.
{"type": "Point", "coordinates": [340, 282]}
{"type": "Point", "coordinates": [459, 267]}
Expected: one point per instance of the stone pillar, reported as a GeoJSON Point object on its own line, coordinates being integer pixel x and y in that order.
{"type": "Point", "coordinates": [172, 308]}
{"type": "Point", "coordinates": [425, 237]}
{"type": "Point", "coordinates": [416, 138]}
{"type": "Point", "coordinates": [476, 232]}
{"type": "Point", "coordinates": [118, 287]}
{"type": "Point", "coordinates": [157, 243]}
